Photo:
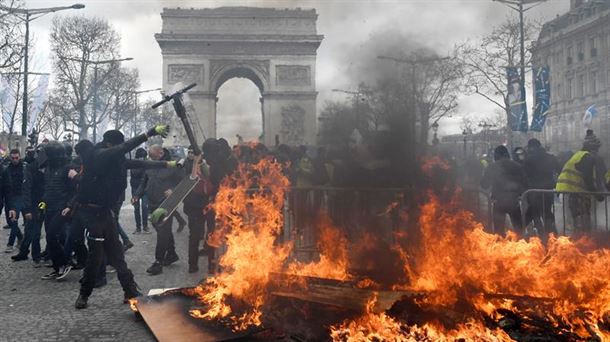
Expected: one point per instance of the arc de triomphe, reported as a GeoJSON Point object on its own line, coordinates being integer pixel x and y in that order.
{"type": "Point", "coordinates": [274, 48]}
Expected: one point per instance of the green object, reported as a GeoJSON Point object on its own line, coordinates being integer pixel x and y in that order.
{"type": "Point", "coordinates": [158, 215]}
{"type": "Point", "coordinates": [172, 164]}
{"type": "Point", "coordinates": [162, 130]}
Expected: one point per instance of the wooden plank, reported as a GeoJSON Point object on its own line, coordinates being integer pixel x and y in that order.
{"type": "Point", "coordinates": [334, 292]}
{"type": "Point", "coordinates": [167, 317]}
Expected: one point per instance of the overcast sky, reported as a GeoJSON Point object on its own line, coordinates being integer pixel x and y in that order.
{"type": "Point", "coordinates": [350, 27]}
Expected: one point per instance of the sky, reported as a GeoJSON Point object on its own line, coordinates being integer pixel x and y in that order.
{"type": "Point", "coordinates": [353, 30]}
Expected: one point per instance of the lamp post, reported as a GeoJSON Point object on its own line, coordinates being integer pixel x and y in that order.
{"type": "Point", "coordinates": [137, 109]}
{"type": "Point", "coordinates": [95, 85]}
{"type": "Point", "coordinates": [30, 15]}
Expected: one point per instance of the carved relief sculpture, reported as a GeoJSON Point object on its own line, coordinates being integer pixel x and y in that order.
{"type": "Point", "coordinates": [293, 75]}
{"type": "Point", "coordinates": [185, 73]}
{"type": "Point", "coordinates": [293, 125]}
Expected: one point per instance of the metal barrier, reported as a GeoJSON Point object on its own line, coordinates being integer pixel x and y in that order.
{"type": "Point", "coordinates": [376, 210]}
{"type": "Point", "coordinates": [354, 210]}
{"type": "Point", "coordinates": [567, 213]}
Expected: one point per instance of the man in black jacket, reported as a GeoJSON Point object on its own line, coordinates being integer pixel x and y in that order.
{"type": "Point", "coordinates": [158, 185]}
{"type": "Point", "coordinates": [541, 169]}
{"type": "Point", "coordinates": [102, 184]}
{"type": "Point", "coordinates": [12, 179]}
{"type": "Point", "coordinates": [33, 187]}
{"type": "Point", "coordinates": [140, 207]}
{"type": "Point", "coordinates": [58, 190]}
{"type": "Point", "coordinates": [507, 181]}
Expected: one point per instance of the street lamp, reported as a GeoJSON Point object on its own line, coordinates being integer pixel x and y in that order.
{"type": "Point", "coordinates": [95, 85]}
{"type": "Point", "coordinates": [30, 15]}
{"type": "Point", "coordinates": [137, 109]}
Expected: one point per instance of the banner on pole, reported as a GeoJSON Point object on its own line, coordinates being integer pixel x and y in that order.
{"type": "Point", "coordinates": [516, 101]}
{"type": "Point", "coordinates": [542, 98]}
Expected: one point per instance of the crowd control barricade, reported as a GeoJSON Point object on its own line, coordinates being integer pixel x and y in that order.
{"type": "Point", "coordinates": [566, 214]}
{"type": "Point", "coordinates": [308, 209]}
{"type": "Point", "coordinates": [478, 201]}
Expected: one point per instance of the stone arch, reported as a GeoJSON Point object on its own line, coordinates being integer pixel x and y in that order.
{"type": "Point", "coordinates": [275, 49]}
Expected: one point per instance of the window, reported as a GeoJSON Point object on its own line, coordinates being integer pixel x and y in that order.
{"type": "Point", "coordinates": [581, 86]}
{"type": "Point", "coordinates": [569, 55]}
{"type": "Point", "coordinates": [580, 51]}
{"type": "Point", "coordinates": [594, 82]}
{"type": "Point", "coordinates": [569, 86]}
{"type": "Point", "coordinates": [593, 46]}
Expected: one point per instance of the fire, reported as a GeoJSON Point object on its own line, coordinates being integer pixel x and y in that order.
{"type": "Point", "coordinates": [477, 277]}
{"type": "Point", "coordinates": [249, 220]}
{"type": "Point", "coordinates": [132, 304]}
{"type": "Point", "coordinates": [382, 327]}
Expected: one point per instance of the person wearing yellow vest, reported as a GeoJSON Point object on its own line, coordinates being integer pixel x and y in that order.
{"type": "Point", "coordinates": [582, 173]}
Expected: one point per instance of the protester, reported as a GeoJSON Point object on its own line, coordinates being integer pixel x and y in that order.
{"type": "Point", "coordinates": [582, 173]}
{"type": "Point", "coordinates": [33, 187]}
{"type": "Point", "coordinates": [58, 190]}
{"type": "Point", "coordinates": [519, 155]}
{"type": "Point", "coordinates": [102, 184]}
{"type": "Point", "coordinates": [541, 169]}
{"type": "Point", "coordinates": [12, 179]}
{"type": "Point", "coordinates": [140, 207]}
{"type": "Point", "coordinates": [157, 185]}
{"type": "Point", "coordinates": [507, 181]}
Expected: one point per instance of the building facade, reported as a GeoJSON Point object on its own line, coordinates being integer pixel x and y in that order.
{"type": "Point", "coordinates": [576, 48]}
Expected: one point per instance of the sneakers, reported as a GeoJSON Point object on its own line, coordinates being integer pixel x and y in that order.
{"type": "Point", "coordinates": [37, 263]}
{"type": "Point", "coordinates": [9, 249]}
{"type": "Point", "coordinates": [193, 268]}
{"type": "Point", "coordinates": [170, 259]}
{"type": "Point", "coordinates": [78, 266]}
{"type": "Point", "coordinates": [63, 271]}
{"type": "Point", "coordinates": [52, 275]}
{"type": "Point", "coordinates": [128, 245]}
{"type": "Point", "coordinates": [138, 231]}
{"type": "Point", "coordinates": [146, 230]}
{"type": "Point", "coordinates": [155, 269]}
{"type": "Point", "coordinates": [6, 227]}
{"type": "Point", "coordinates": [81, 302]}
{"type": "Point", "coordinates": [19, 257]}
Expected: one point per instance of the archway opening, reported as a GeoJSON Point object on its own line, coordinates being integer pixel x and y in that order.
{"type": "Point", "coordinates": [239, 111]}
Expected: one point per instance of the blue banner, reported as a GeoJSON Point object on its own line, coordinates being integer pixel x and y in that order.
{"type": "Point", "coordinates": [516, 101]}
{"type": "Point", "coordinates": [542, 98]}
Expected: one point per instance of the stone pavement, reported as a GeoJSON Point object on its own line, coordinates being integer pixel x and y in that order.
{"type": "Point", "coordinates": [32, 309]}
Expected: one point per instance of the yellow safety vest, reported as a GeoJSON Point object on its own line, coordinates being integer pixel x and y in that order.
{"type": "Point", "coordinates": [570, 179]}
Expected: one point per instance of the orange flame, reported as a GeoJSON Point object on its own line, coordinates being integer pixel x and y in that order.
{"type": "Point", "coordinates": [132, 304]}
{"type": "Point", "coordinates": [249, 218]}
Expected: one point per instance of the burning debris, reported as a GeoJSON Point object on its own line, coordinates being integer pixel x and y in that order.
{"type": "Point", "coordinates": [446, 280]}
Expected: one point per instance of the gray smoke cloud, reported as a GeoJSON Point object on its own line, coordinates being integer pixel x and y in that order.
{"type": "Point", "coordinates": [355, 32]}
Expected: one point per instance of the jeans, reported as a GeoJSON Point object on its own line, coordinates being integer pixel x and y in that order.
{"type": "Point", "coordinates": [55, 225]}
{"type": "Point", "coordinates": [76, 239]}
{"type": "Point", "coordinates": [196, 223]}
{"type": "Point", "coordinates": [165, 241]}
{"type": "Point", "coordinates": [116, 210]}
{"type": "Point", "coordinates": [17, 205]}
{"type": "Point", "coordinates": [103, 240]}
{"type": "Point", "coordinates": [140, 212]}
{"type": "Point", "coordinates": [31, 236]}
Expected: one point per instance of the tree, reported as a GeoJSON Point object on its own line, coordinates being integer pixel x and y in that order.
{"type": "Point", "coordinates": [11, 36]}
{"type": "Point", "coordinates": [77, 42]}
{"type": "Point", "coordinates": [484, 61]}
{"type": "Point", "coordinates": [122, 95]}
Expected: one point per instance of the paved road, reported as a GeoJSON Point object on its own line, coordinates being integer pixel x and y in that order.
{"type": "Point", "coordinates": [32, 309]}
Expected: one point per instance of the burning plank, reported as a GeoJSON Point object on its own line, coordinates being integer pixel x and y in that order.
{"type": "Point", "coordinates": [167, 316]}
{"type": "Point", "coordinates": [343, 294]}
